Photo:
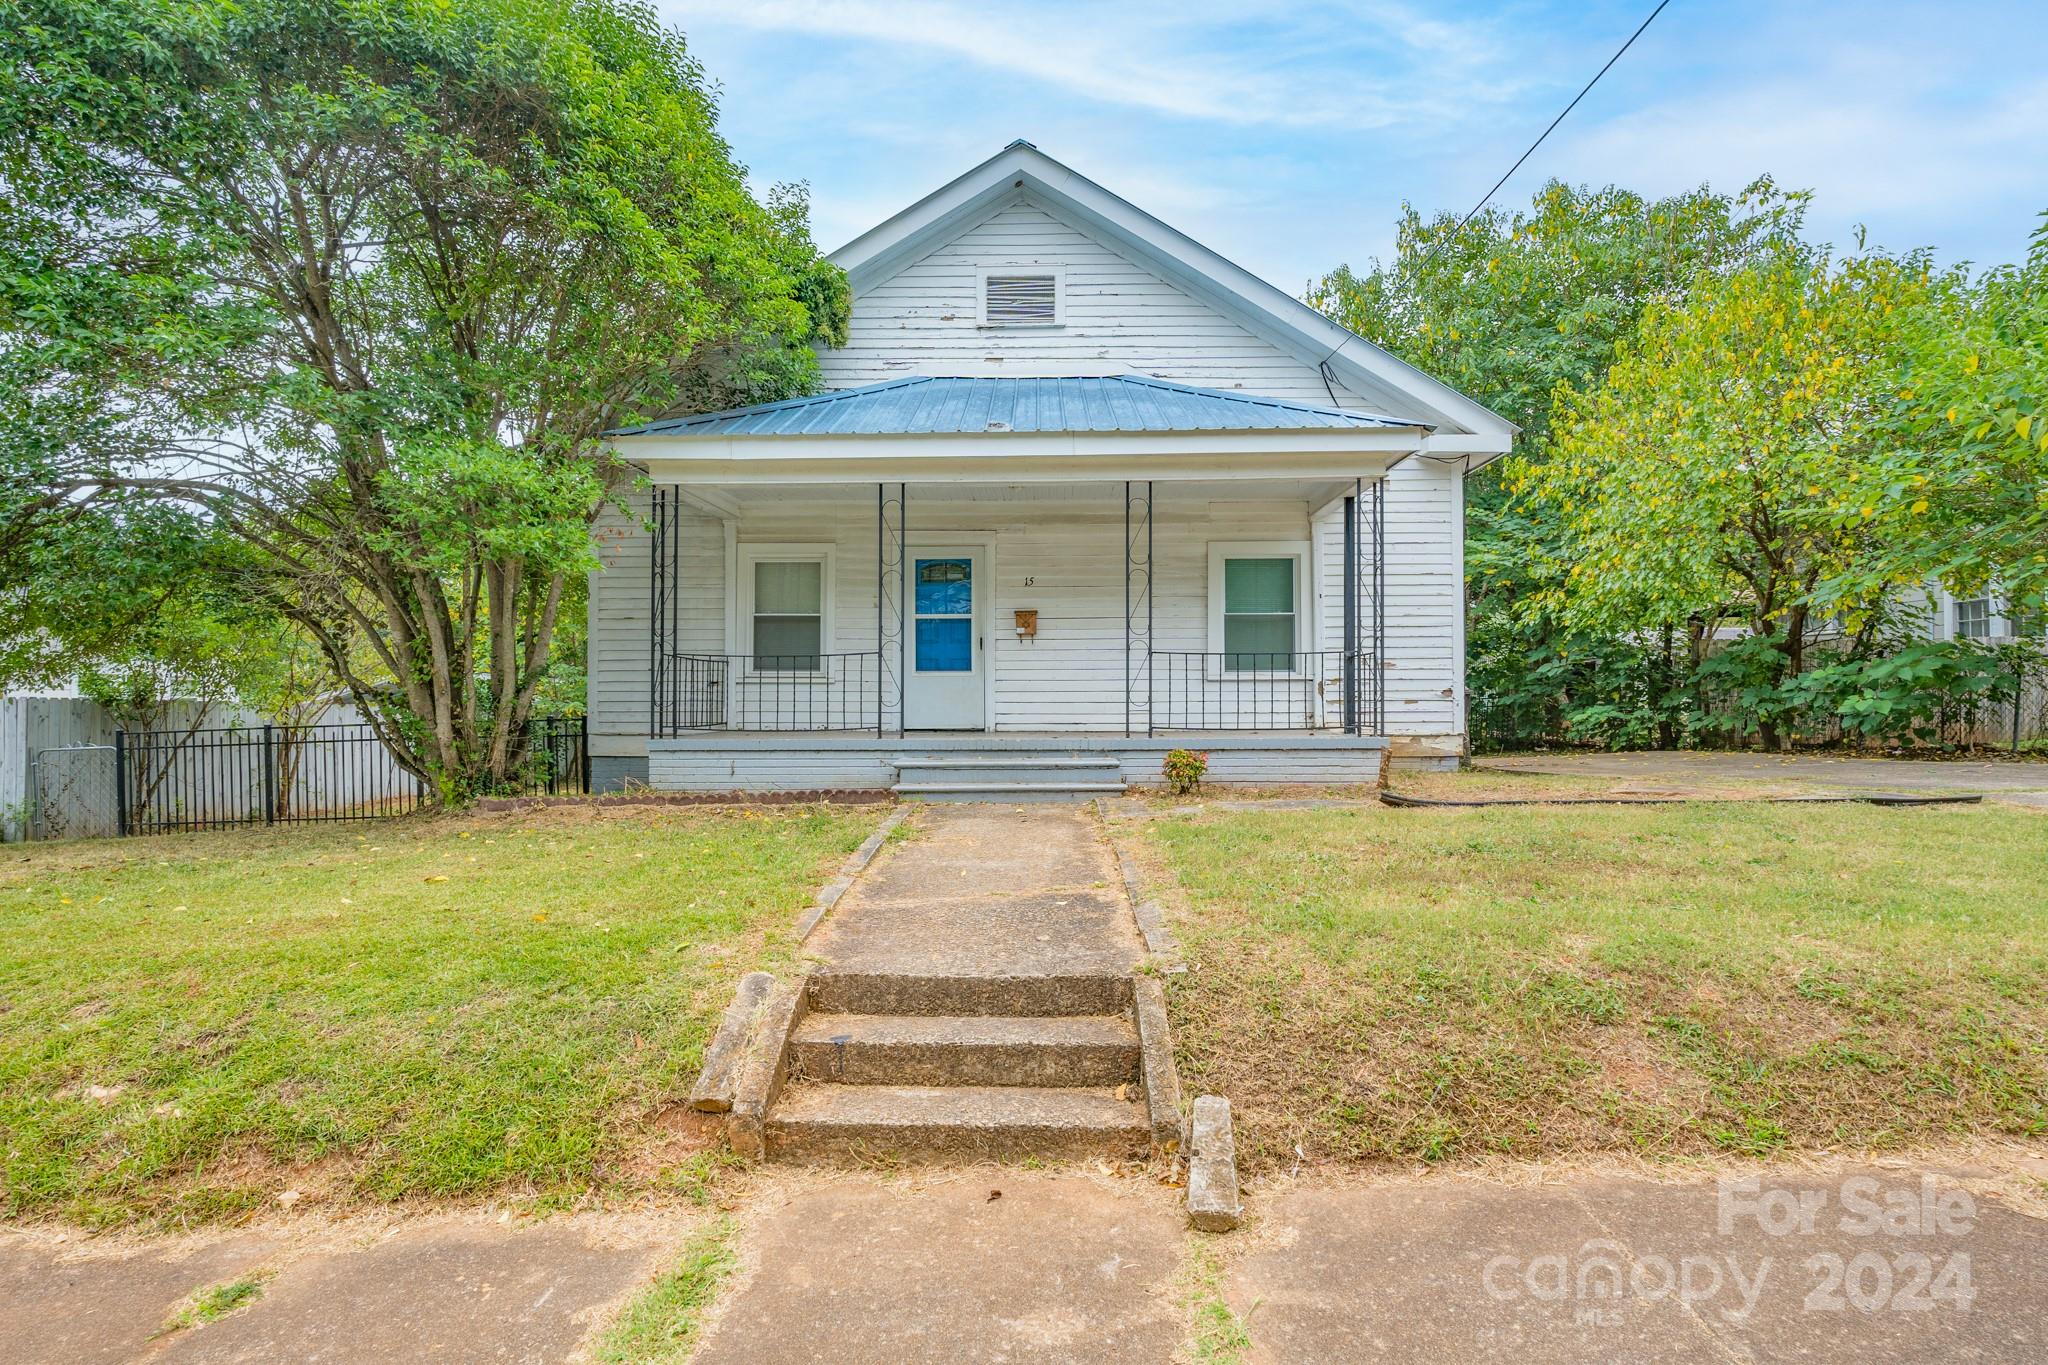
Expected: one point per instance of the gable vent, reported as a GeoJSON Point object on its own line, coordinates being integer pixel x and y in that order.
{"type": "Point", "coordinates": [1020, 299]}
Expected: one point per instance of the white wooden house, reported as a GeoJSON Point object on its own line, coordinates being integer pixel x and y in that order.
{"type": "Point", "coordinates": [1079, 491]}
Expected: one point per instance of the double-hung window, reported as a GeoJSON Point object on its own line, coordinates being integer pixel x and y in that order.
{"type": "Point", "coordinates": [1973, 618]}
{"type": "Point", "coordinates": [1256, 612]}
{"type": "Point", "coordinates": [784, 608]}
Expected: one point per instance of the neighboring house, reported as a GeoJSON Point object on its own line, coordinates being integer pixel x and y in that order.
{"type": "Point", "coordinates": [1981, 615]}
{"type": "Point", "coordinates": [1079, 491]}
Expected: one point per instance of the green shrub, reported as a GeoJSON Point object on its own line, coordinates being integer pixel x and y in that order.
{"type": "Point", "coordinates": [1184, 770]}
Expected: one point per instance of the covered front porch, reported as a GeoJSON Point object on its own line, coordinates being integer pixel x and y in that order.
{"type": "Point", "coordinates": [823, 604]}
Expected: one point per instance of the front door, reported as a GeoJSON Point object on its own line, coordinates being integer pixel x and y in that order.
{"type": "Point", "coordinates": [944, 687]}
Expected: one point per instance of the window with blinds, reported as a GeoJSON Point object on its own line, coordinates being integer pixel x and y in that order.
{"type": "Point", "coordinates": [789, 615]}
{"type": "Point", "coordinates": [1258, 615]}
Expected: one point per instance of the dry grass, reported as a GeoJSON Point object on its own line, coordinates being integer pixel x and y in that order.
{"type": "Point", "coordinates": [458, 1007]}
{"type": "Point", "coordinates": [1674, 980]}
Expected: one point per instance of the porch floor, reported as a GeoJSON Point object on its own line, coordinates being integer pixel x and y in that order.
{"type": "Point", "coordinates": [1034, 741]}
{"type": "Point", "coordinates": [725, 761]}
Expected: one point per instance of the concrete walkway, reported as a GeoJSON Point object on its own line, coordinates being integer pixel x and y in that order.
{"type": "Point", "coordinates": [974, 998]}
{"type": "Point", "coordinates": [988, 890]}
{"type": "Point", "coordinates": [987, 1264]}
{"type": "Point", "coordinates": [2020, 781]}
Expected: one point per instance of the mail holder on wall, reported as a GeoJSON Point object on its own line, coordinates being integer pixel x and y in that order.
{"type": "Point", "coordinates": [1027, 625]}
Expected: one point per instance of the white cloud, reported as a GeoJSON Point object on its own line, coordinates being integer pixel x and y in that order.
{"type": "Point", "coordinates": [1190, 60]}
{"type": "Point", "coordinates": [1888, 152]}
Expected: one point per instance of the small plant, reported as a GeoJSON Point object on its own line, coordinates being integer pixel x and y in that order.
{"type": "Point", "coordinates": [1184, 770]}
{"type": "Point", "coordinates": [661, 1325]}
{"type": "Point", "coordinates": [215, 1302]}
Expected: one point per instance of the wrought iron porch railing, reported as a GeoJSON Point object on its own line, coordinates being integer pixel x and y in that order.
{"type": "Point", "coordinates": [1317, 689]}
{"type": "Point", "coordinates": [1181, 691]}
{"type": "Point", "coordinates": [815, 692]}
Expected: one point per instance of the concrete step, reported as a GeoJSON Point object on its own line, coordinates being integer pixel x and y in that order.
{"type": "Point", "coordinates": [1031, 762]}
{"type": "Point", "coordinates": [812, 1121]}
{"type": "Point", "coordinates": [1008, 777]}
{"type": "Point", "coordinates": [917, 1049]}
{"type": "Point", "coordinates": [1016, 791]}
{"type": "Point", "coordinates": [834, 991]}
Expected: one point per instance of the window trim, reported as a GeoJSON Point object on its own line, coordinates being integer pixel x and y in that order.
{"type": "Point", "coordinates": [1059, 295]}
{"type": "Point", "coordinates": [782, 552]}
{"type": "Point", "coordinates": [1306, 617]}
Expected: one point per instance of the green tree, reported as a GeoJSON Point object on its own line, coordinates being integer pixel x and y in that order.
{"type": "Point", "coordinates": [1720, 468]}
{"type": "Point", "coordinates": [1964, 492]}
{"type": "Point", "coordinates": [142, 605]}
{"type": "Point", "coordinates": [367, 281]}
{"type": "Point", "coordinates": [1510, 309]}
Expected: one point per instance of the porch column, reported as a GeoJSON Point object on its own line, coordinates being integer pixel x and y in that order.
{"type": "Point", "coordinates": [1351, 678]}
{"type": "Point", "coordinates": [1378, 679]}
{"type": "Point", "coordinates": [664, 602]}
{"type": "Point", "coordinates": [892, 640]}
{"type": "Point", "coordinates": [1137, 606]}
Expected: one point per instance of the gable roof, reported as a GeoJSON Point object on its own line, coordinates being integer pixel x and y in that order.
{"type": "Point", "coordinates": [1269, 311]}
{"type": "Point", "coordinates": [933, 405]}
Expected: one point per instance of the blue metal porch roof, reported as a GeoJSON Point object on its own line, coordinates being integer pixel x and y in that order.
{"type": "Point", "coordinates": [927, 404]}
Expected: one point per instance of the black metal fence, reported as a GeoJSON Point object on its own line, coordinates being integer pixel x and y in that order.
{"type": "Point", "coordinates": [166, 781]}
{"type": "Point", "coordinates": [820, 692]}
{"type": "Point", "coordinates": [1321, 689]}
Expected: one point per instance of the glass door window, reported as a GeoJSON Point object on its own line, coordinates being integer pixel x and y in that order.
{"type": "Point", "coordinates": [944, 612]}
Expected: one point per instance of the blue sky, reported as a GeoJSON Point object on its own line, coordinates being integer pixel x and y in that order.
{"type": "Point", "coordinates": [1286, 136]}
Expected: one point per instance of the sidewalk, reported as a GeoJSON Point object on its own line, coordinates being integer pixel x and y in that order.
{"type": "Point", "coordinates": [452, 1287]}
{"type": "Point", "coordinates": [1861, 1264]}
{"type": "Point", "coordinates": [1851, 1266]}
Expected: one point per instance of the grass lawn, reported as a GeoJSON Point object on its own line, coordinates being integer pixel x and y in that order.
{"type": "Point", "coordinates": [1672, 981]}
{"type": "Point", "coordinates": [191, 1026]}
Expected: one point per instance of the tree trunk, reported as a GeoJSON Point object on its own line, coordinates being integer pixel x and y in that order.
{"type": "Point", "coordinates": [1791, 662]}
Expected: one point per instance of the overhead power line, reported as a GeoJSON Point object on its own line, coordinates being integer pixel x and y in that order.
{"type": "Point", "coordinates": [1442, 243]}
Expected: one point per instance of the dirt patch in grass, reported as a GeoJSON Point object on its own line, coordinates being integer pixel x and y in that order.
{"type": "Point", "coordinates": [1529, 982]}
{"type": "Point", "coordinates": [194, 1028]}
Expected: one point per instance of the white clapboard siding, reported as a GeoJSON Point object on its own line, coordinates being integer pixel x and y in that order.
{"type": "Point", "coordinates": [1425, 598]}
{"type": "Point", "coordinates": [1062, 557]}
{"type": "Point", "coordinates": [1119, 318]}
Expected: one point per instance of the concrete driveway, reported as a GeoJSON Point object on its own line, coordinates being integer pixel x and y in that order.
{"type": "Point", "coordinates": [2022, 782]}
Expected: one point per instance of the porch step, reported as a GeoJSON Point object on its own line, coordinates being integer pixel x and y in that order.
{"type": "Point", "coordinates": [1007, 761]}
{"type": "Point", "coordinates": [1008, 777]}
{"type": "Point", "coordinates": [1007, 791]}
{"type": "Point", "coordinates": [811, 1121]}
{"type": "Point", "coordinates": [1036, 996]}
{"type": "Point", "coordinates": [969, 1050]}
